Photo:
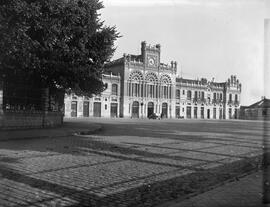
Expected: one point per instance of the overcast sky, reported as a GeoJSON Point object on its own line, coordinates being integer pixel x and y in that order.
{"type": "Point", "coordinates": [208, 38]}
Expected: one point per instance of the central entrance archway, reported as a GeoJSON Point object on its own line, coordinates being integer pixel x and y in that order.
{"type": "Point", "coordinates": [164, 113]}
{"type": "Point", "coordinates": [135, 109]}
{"type": "Point", "coordinates": [150, 109]}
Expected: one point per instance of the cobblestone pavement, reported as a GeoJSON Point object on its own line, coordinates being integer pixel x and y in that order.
{"type": "Point", "coordinates": [245, 192]}
{"type": "Point", "coordinates": [129, 163]}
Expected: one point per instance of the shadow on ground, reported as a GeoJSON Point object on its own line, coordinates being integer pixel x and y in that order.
{"type": "Point", "coordinates": [128, 164]}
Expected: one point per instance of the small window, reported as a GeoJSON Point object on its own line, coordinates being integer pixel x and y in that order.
{"type": "Point", "coordinates": [114, 89]}
{"type": "Point", "coordinates": [189, 95]}
{"type": "Point", "coordinates": [196, 94]}
{"type": "Point", "coordinates": [177, 94]}
{"type": "Point", "coordinates": [183, 92]}
{"type": "Point", "coordinates": [105, 106]}
{"type": "Point", "coordinates": [230, 97]}
{"type": "Point", "coordinates": [202, 97]}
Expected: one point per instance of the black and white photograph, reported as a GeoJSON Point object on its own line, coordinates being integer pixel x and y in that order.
{"type": "Point", "coordinates": [134, 103]}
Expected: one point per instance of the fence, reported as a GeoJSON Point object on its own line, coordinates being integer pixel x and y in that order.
{"type": "Point", "coordinates": [30, 119]}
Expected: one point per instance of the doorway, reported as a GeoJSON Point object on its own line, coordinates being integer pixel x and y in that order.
{"type": "Point", "coordinates": [74, 109]}
{"type": "Point", "coordinates": [97, 109]}
{"type": "Point", "coordinates": [202, 112]}
{"type": "Point", "coordinates": [208, 113]}
{"type": "Point", "coordinates": [220, 113]}
{"type": "Point", "coordinates": [86, 109]}
{"type": "Point", "coordinates": [135, 109]}
{"type": "Point", "coordinates": [235, 113]}
{"type": "Point", "coordinates": [150, 109]}
{"type": "Point", "coordinates": [164, 113]}
{"type": "Point", "coordinates": [177, 111]}
{"type": "Point", "coordinates": [195, 112]}
{"type": "Point", "coordinates": [188, 112]}
{"type": "Point", "coordinates": [114, 109]}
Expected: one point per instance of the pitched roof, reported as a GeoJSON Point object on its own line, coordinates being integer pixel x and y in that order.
{"type": "Point", "coordinates": [264, 103]}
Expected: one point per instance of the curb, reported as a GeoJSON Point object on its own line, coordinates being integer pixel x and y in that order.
{"type": "Point", "coordinates": [88, 132]}
{"type": "Point", "coordinates": [73, 133]}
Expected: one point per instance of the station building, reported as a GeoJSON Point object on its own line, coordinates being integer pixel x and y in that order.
{"type": "Point", "coordinates": [140, 85]}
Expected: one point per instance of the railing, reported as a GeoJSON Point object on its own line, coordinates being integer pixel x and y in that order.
{"type": "Point", "coordinates": [199, 100]}
{"type": "Point", "coordinates": [217, 101]}
{"type": "Point", "coordinates": [231, 102]}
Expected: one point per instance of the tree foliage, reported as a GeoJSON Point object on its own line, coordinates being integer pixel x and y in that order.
{"type": "Point", "coordinates": [55, 44]}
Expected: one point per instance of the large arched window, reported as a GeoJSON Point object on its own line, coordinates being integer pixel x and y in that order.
{"type": "Point", "coordinates": [114, 89]}
{"type": "Point", "coordinates": [166, 88]}
{"type": "Point", "coordinates": [151, 85]}
{"type": "Point", "coordinates": [135, 84]}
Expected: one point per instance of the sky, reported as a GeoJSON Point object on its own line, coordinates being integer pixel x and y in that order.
{"type": "Point", "coordinates": [208, 38]}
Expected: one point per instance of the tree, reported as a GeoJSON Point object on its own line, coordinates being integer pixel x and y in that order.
{"type": "Point", "coordinates": [56, 44]}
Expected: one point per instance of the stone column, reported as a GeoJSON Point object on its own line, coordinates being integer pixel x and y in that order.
{"type": "Point", "coordinates": [127, 89]}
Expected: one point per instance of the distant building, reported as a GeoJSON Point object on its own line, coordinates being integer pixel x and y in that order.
{"type": "Point", "coordinates": [147, 86]}
{"type": "Point", "coordinates": [257, 111]}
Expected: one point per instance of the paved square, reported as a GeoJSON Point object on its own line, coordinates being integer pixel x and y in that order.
{"type": "Point", "coordinates": [130, 162]}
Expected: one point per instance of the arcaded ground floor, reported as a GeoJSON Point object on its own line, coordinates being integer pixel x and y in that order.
{"type": "Point", "coordinates": [143, 109]}
{"type": "Point", "coordinates": [130, 162]}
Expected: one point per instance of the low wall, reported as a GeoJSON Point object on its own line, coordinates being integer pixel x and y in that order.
{"type": "Point", "coordinates": [30, 119]}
